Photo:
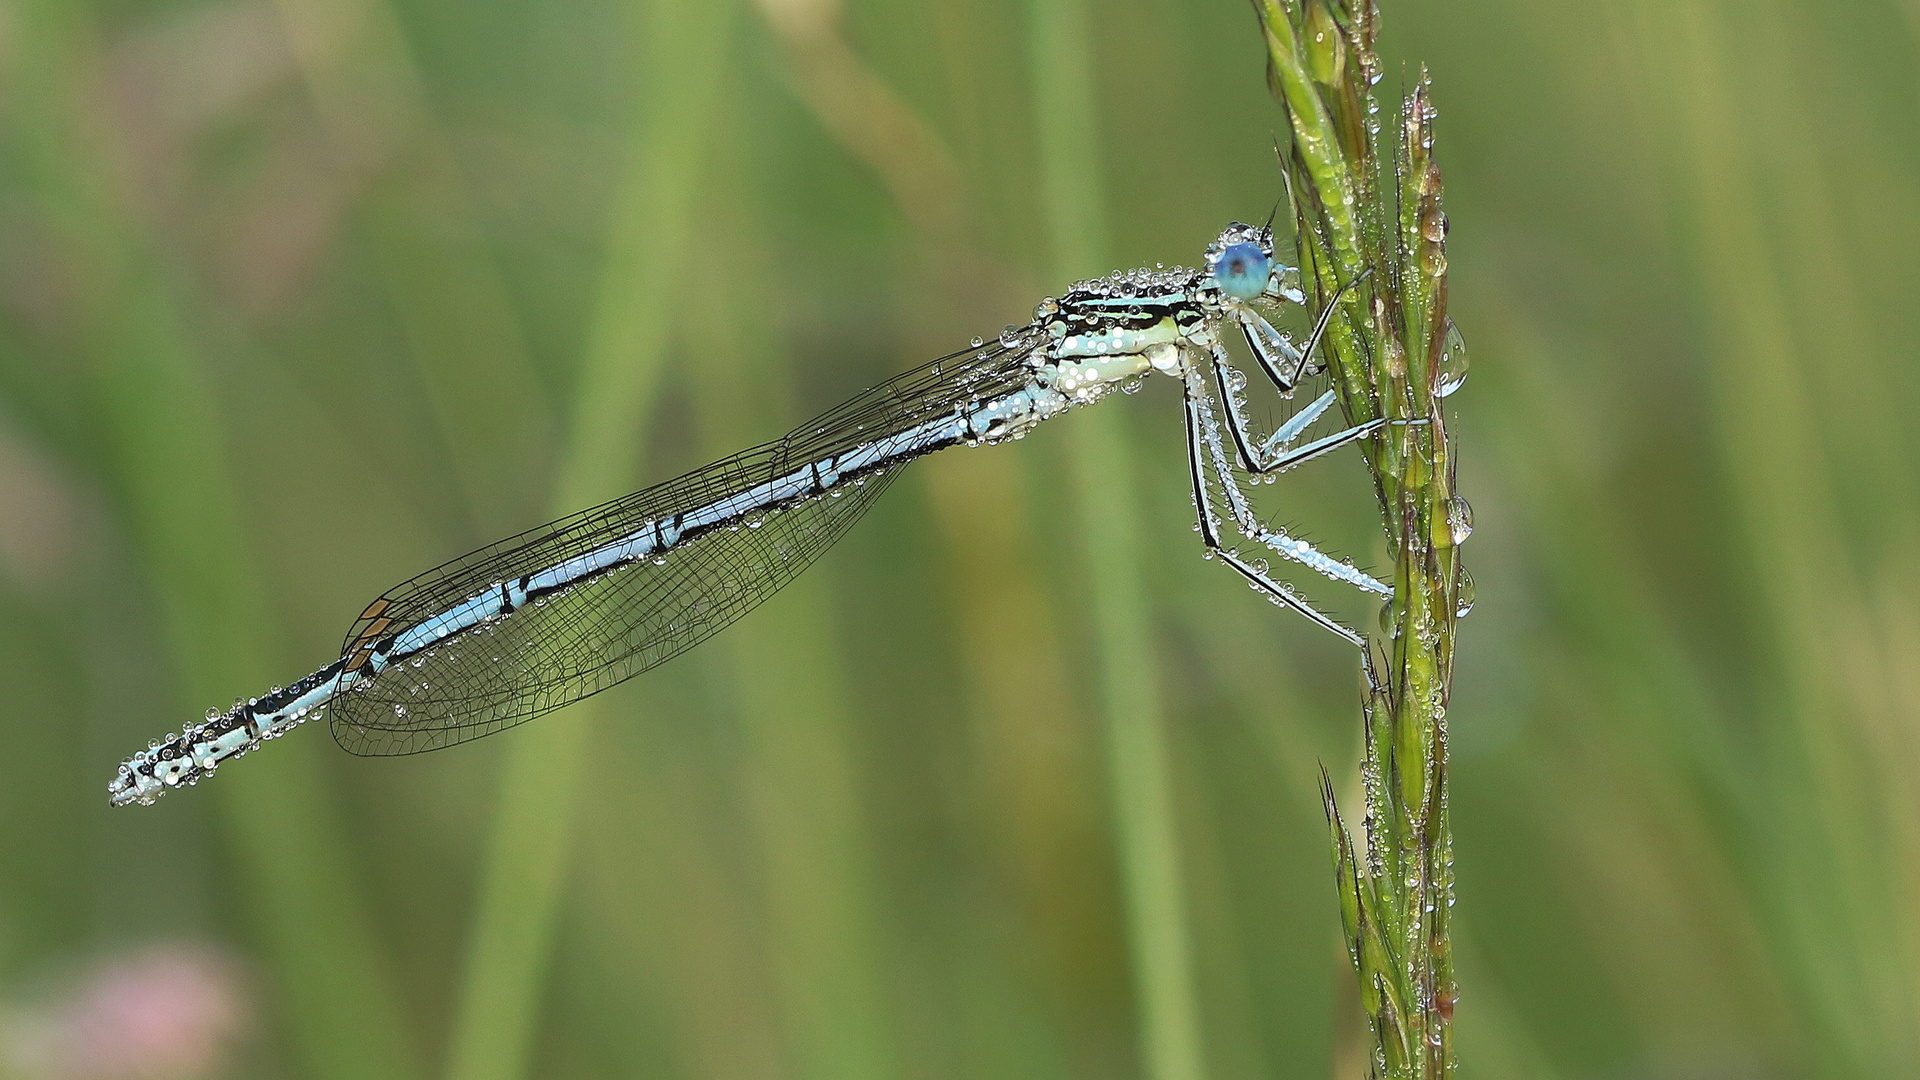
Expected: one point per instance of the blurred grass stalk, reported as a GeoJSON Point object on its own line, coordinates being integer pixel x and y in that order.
{"type": "Point", "coordinates": [1104, 481]}
{"type": "Point", "coordinates": [518, 906]}
{"type": "Point", "coordinates": [799, 757]}
{"type": "Point", "coordinates": [1381, 235]}
{"type": "Point", "coordinates": [154, 410]}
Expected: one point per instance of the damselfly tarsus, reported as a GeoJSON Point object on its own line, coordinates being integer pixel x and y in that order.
{"type": "Point", "coordinates": [550, 616]}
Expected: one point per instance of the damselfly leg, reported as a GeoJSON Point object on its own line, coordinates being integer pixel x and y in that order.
{"type": "Point", "coordinates": [1207, 455]}
{"type": "Point", "coordinates": [1284, 367]}
{"type": "Point", "coordinates": [1198, 448]}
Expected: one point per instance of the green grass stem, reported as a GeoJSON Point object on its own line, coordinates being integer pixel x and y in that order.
{"type": "Point", "coordinates": [1376, 228]}
{"type": "Point", "coordinates": [518, 905]}
{"type": "Point", "coordinates": [1104, 482]}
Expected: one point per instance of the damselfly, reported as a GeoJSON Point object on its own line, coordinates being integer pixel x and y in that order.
{"type": "Point", "coordinates": [550, 616]}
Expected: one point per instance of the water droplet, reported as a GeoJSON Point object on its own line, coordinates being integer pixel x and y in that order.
{"type": "Point", "coordinates": [1463, 597]}
{"type": "Point", "coordinates": [977, 342]}
{"type": "Point", "coordinates": [1010, 336]}
{"type": "Point", "coordinates": [1459, 519]}
{"type": "Point", "coordinates": [1389, 620]}
{"type": "Point", "coordinates": [1453, 363]}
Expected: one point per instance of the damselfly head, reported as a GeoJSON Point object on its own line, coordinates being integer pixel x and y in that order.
{"type": "Point", "coordinates": [1241, 260]}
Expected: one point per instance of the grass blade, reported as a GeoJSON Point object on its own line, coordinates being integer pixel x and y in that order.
{"type": "Point", "coordinates": [1103, 482]}
{"type": "Point", "coordinates": [526, 859]}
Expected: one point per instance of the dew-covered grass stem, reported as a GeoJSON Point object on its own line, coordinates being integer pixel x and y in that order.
{"type": "Point", "coordinates": [1368, 218]}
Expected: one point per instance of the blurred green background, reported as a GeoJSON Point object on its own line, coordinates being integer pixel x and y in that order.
{"type": "Point", "coordinates": [300, 297]}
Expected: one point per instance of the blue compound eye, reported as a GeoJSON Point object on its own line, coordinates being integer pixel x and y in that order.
{"type": "Point", "coordinates": [1242, 271]}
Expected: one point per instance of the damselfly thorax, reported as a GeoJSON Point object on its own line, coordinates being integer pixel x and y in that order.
{"type": "Point", "coordinates": [545, 618]}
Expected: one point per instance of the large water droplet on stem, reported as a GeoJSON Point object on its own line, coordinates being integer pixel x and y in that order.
{"type": "Point", "coordinates": [1390, 620]}
{"type": "Point", "coordinates": [1459, 519]}
{"type": "Point", "coordinates": [1452, 370]}
{"type": "Point", "coordinates": [1463, 596]}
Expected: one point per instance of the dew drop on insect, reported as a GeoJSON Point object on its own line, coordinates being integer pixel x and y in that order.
{"type": "Point", "coordinates": [1453, 363]}
{"type": "Point", "coordinates": [1463, 597]}
{"type": "Point", "coordinates": [1010, 336]}
{"type": "Point", "coordinates": [977, 342]}
{"type": "Point", "coordinates": [213, 711]}
{"type": "Point", "coordinates": [1459, 519]}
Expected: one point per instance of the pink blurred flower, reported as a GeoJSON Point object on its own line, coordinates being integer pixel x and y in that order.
{"type": "Point", "coordinates": [166, 1013]}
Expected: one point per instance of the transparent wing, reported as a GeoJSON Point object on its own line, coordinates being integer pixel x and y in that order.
{"type": "Point", "coordinates": [578, 642]}
{"type": "Point", "coordinates": [635, 616]}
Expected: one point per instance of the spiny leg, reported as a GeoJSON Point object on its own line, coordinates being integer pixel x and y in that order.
{"type": "Point", "coordinates": [1210, 526]}
{"type": "Point", "coordinates": [1266, 457]}
{"type": "Point", "coordinates": [1283, 437]}
{"type": "Point", "coordinates": [1287, 456]}
{"type": "Point", "coordinates": [1284, 365]}
{"type": "Point", "coordinates": [1200, 419]}
{"type": "Point", "coordinates": [1273, 455]}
